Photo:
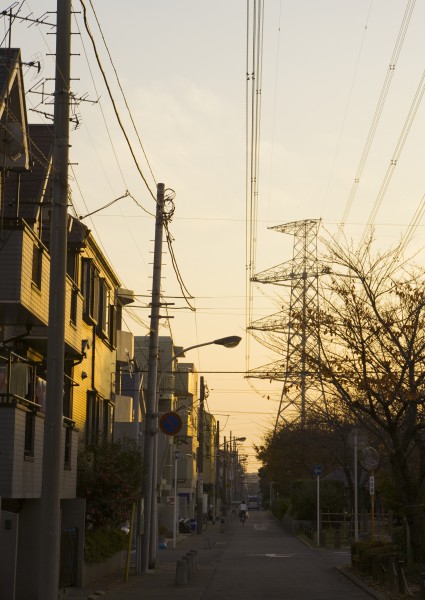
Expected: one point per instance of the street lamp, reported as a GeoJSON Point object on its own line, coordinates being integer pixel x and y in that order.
{"type": "Point", "coordinates": [150, 542]}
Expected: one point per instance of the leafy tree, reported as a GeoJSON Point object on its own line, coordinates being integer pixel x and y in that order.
{"type": "Point", "coordinates": [372, 341]}
{"type": "Point", "coordinates": [110, 479]}
{"type": "Point", "coordinates": [304, 498]}
{"type": "Point", "coordinates": [292, 452]}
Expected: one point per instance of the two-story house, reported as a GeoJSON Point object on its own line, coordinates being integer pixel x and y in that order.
{"type": "Point", "coordinates": [94, 301]}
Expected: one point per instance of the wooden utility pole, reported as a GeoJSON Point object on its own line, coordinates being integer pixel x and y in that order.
{"type": "Point", "coordinates": [49, 558]}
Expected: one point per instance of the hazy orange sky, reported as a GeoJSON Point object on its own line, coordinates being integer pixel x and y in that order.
{"type": "Point", "coordinates": [182, 66]}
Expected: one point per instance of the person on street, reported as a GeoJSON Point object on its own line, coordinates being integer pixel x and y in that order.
{"type": "Point", "coordinates": [243, 510]}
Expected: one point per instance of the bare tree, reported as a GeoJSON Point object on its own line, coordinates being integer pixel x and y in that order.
{"type": "Point", "coordinates": [372, 340]}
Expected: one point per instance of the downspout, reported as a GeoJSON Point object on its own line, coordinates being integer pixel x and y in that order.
{"type": "Point", "coordinates": [93, 362]}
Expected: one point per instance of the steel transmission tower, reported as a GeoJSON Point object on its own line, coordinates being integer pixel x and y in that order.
{"type": "Point", "coordinates": [301, 385]}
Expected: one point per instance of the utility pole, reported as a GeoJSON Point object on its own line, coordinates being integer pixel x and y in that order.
{"type": "Point", "coordinates": [216, 468]}
{"type": "Point", "coordinates": [225, 474]}
{"type": "Point", "coordinates": [149, 545]}
{"type": "Point", "coordinates": [49, 558]}
{"type": "Point", "coordinates": [200, 505]}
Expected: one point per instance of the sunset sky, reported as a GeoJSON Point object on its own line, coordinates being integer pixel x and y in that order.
{"type": "Point", "coordinates": [341, 139]}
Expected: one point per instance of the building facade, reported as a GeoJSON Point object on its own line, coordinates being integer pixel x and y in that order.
{"type": "Point", "coordinates": [93, 304]}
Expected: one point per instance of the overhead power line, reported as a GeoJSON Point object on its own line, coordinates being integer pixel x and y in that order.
{"type": "Point", "coordinates": [379, 108]}
{"type": "Point", "coordinates": [86, 25]}
{"type": "Point", "coordinates": [396, 155]}
{"type": "Point", "coordinates": [122, 92]}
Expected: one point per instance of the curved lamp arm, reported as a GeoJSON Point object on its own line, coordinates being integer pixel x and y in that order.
{"type": "Point", "coordinates": [228, 342]}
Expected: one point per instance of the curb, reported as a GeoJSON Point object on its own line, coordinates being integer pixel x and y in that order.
{"type": "Point", "coordinates": [361, 584]}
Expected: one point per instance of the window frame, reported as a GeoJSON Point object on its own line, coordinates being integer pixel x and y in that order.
{"type": "Point", "coordinates": [90, 290]}
{"type": "Point", "coordinates": [29, 435]}
{"type": "Point", "coordinates": [105, 291]}
{"type": "Point", "coordinates": [37, 265]}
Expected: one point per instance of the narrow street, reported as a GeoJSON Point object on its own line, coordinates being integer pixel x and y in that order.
{"type": "Point", "coordinates": [262, 561]}
{"type": "Point", "coordinates": [252, 562]}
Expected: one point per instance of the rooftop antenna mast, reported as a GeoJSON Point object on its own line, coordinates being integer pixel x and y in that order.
{"type": "Point", "coordinates": [301, 386]}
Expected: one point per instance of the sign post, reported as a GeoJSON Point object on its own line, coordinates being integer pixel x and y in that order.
{"type": "Point", "coordinates": [357, 439]}
{"type": "Point", "coordinates": [370, 461]}
{"type": "Point", "coordinates": [372, 503]}
{"type": "Point", "coordinates": [176, 507]}
{"type": "Point", "coordinates": [318, 471]}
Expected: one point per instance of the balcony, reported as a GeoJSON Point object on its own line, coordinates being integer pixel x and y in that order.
{"type": "Point", "coordinates": [22, 434]}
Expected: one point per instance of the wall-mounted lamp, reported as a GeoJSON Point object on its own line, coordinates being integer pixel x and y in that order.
{"type": "Point", "coordinates": [84, 375]}
{"type": "Point", "coordinates": [85, 345]}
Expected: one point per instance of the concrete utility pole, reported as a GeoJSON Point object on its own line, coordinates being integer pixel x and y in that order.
{"type": "Point", "coordinates": [200, 505]}
{"type": "Point", "coordinates": [216, 468]}
{"type": "Point", "coordinates": [49, 558]}
{"type": "Point", "coordinates": [225, 469]}
{"type": "Point", "coordinates": [149, 544]}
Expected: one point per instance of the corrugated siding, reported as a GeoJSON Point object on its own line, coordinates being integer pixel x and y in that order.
{"type": "Point", "coordinates": [10, 266]}
{"type": "Point", "coordinates": [31, 297]}
{"type": "Point", "coordinates": [7, 443]}
{"type": "Point", "coordinates": [20, 476]}
{"type": "Point", "coordinates": [30, 475]}
{"type": "Point", "coordinates": [79, 405]}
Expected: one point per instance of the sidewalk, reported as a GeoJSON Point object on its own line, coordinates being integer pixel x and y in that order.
{"type": "Point", "coordinates": [160, 583]}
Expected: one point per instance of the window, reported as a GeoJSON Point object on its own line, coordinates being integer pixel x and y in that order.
{"type": "Point", "coordinates": [40, 393]}
{"type": "Point", "coordinates": [72, 264]}
{"type": "Point", "coordinates": [37, 259]}
{"type": "Point", "coordinates": [29, 434]}
{"type": "Point", "coordinates": [104, 309]}
{"type": "Point", "coordinates": [90, 290]}
{"type": "Point", "coordinates": [93, 418]}
{"type": "Point", "coordinates": [68, 447]}
{"type": "Point", "coordinates": [99, 419]}
{"type": "Point", "coordinates": [113, 325]}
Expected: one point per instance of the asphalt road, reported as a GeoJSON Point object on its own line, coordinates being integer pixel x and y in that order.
{"type": "Point", "coordinates": [252, 562]}
{"type": "Point", "coordinates": [263, 561]}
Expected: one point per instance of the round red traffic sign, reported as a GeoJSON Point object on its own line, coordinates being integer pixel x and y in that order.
{"type": "Point", "coordinates": [170, 423]}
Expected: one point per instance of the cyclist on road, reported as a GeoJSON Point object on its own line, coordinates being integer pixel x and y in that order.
{"type": "Point", "coordinates": [243, 509]}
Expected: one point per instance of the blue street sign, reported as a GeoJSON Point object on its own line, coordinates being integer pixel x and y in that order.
{"type": "Point", "coordinates": [170, 423]}
{"type": "Point", "coordinates": [317, 470]}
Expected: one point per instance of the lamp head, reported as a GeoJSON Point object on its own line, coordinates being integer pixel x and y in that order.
{"type": "Point", "coordinates": [228, 342]}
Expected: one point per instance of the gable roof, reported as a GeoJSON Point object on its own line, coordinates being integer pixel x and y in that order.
{"type": "Point", "coordinates": [14, 145]}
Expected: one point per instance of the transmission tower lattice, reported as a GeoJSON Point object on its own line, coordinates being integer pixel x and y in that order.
{"type": "Point", "coordinates": [301, 385]}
